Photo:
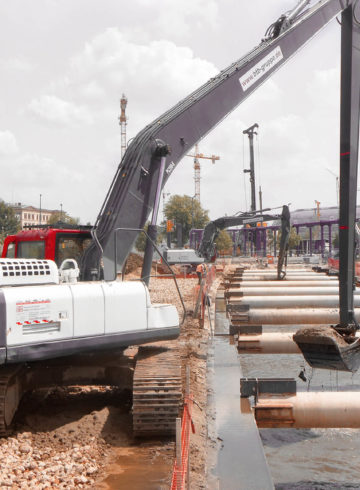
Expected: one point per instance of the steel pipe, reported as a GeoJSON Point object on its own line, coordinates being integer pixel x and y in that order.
{"type": "Point", "coordinates": [309, 410]}
{"type": "Point", "coordinates": [285, 283]}
{"type": "Point", "coordinates": [256, 302]}
{"type": "Point", "coordinates": [297, 272]}
{"type": "Point", "coordinates": [273, 277]}
{"type": "Point", "coordinates": [290, 316]}
{"type": "Point", "coordinates": [284, 291]}
{"type": "Point", "coordinates": [268, 343]}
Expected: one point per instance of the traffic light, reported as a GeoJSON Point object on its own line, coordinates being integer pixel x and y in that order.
{"type": "Point", "coordinates": [169, 226]}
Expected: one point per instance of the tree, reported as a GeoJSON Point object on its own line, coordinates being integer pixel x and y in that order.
{"type": "Point", "coordinates": [141, 239]}
{"type": "Point", "coordinates": [294, 239]}
{"type": "Point", "coordinates": [9, 223]}
{"type": "Point", "coordinates": [187, 211]}
{"type": "Point", "coordinates": [223, 241]}
{"type": "Point", "coordinates": [64, 218]}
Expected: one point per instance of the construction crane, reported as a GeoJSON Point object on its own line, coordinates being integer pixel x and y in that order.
{"type": "Point", "coordinates": [123, 123]}
{"type": "Point", "coordinates": [196, 157]}
{"type": "Point", "coordinates": [317, 208]}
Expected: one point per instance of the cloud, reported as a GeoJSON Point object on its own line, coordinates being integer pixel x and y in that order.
{"type": "Point", "coordinates": [112, 64]}
{"type": "Point", "coordinates": [55, 111]}
{"type": "Point", "coordinates": [176, 20]}
{"type": "Point", "coordinates": [8, 144]}
{"type": "Point", "coordinates": [16, 64]}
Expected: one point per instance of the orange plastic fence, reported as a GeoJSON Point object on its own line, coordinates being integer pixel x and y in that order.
{"type": "Point", "coordinates": [180, 471]}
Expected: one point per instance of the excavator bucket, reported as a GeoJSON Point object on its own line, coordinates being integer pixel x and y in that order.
{"type": "Point", "coordinates": [325, 348]}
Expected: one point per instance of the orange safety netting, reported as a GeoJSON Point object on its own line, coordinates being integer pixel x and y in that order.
{"type": "Point", "coordinates": [180, 471]}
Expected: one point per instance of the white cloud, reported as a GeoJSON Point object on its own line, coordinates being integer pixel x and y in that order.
{"type": "Point", "coordinates": [111, 64]}
{"type": "Point", "coordinates": [56, 111]}
{"type": "Point", "coordinates": [16, 64]}
{"type": "Point", "coordinates": [177, 20]}
{"type": "Point", "coordinates": [8, 144]}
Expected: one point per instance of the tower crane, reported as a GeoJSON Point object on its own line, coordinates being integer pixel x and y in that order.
{"type": "Point", "coordinates": [123, 122]}
{"type": "Point", "coordinates": [196, 157]}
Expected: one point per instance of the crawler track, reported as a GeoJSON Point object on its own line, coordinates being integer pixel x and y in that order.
{"type": "Point", "coordinates": [10, 395]}
{"type": "Point", "coordinates": [156, 392]}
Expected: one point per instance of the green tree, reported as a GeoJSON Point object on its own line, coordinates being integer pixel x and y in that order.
{"type": "Point", "coordinates": [9, 223]}
{"type": "Point", "coordinates": [141, 239]}
{"type": "Point", "coordinates": [223, 241]}
{"type": "Point", "coordinates": [64, 218]}
{"type": "Point", "coordinates": [294, 239]}
{"type": "Point", "coordinates": [187, 211]}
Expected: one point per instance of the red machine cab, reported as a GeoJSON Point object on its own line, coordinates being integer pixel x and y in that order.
{"type": "Point", "coordinates": [44, 242]}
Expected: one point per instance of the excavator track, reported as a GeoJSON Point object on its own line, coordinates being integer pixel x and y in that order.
{"type": "Point", "coordinates": [10, 395]}
{"type": "Point", "coordinates": [157, 392]}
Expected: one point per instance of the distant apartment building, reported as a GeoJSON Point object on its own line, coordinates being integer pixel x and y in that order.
{"type": "Point", "coordinates": [31, 216]}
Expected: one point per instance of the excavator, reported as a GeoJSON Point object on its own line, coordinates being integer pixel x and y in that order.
{"type": "Point", "coordinates": [211, 231]}
{"type": "Point", "coordinates": [207, 248]}
{"type": "Point", "coordinates": [48, 327]}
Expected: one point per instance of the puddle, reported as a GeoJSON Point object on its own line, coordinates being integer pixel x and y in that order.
{"type": "Point", "coordinates": [139, 468]}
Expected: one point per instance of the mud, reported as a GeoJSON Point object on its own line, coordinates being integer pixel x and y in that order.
{"type": "Point", "coordinates": [319, 335]}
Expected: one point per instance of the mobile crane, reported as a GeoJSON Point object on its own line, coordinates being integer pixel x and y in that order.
{"type": "Point", "coordinates": [42, 321]}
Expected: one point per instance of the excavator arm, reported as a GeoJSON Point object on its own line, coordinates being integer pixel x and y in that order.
{"type": "Point", "coordinates": [154, 153]}
{"type": "Point", "coordinates": [157, 149]}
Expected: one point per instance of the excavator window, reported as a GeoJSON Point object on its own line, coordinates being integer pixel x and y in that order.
{"type": "Point", "coordinates": [10, 252]}
{"type": "Point", "coordinates": [31, 249]}
{"type": "Point", "coordinates": [71, 247]}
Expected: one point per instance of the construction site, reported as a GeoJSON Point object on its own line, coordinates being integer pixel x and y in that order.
{"type": "Point", "coordinates": [139, 354]}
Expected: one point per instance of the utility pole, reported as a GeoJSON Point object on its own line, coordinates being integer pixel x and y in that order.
{"type": "Point", "coordinates": [123, 123]}
{"type": "Point", "coordinates": [196, 157]}
{"type": "Point", "coordinates": [40, 211]}
{"type": "Point", "coordinates": [250, 132]}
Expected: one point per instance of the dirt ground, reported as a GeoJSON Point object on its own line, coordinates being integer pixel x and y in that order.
{"type": "Point", "coordinates": [81, 437]}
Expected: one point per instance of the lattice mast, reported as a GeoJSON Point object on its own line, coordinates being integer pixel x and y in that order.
{"type": "Point", "coordinates": [197, 168]}
{"type": "Point", "coordinates": [123, 123]}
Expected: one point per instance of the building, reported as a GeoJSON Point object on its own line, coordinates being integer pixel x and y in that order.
{"type": "Point", "coordinates": [31, 216]}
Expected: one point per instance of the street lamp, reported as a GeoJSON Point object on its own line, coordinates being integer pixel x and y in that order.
{"type": "Point", "coordinates": [40, 210]}
{"type": "Point", "coordinates": [60, 211]}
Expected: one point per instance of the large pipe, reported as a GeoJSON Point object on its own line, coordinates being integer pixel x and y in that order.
{"type": "Point", "coordinates": [255, 302]}
{"type": "Point", "coordinates": [273, 277]}
{"type": "Point", "coordinates": [290, 316]}
{"type": "Point", "coordinates": [284, 291]}
{"type": "Point", "coordinates": [309, 410]}
{"type": "Point", "coordinates": [293, 272]}
{"type": "Point", "coordinates": [284, 283]}
{"type": "Point", "coordinates": [268, 343]}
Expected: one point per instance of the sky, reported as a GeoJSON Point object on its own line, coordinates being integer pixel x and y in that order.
{"type": "Point", "coordinates": [65, 64]}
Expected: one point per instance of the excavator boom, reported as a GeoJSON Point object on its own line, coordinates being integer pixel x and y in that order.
{"type": "Point", "coordinates": [159, 147]}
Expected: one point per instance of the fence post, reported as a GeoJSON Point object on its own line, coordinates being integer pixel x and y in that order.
{"type": "Point", "coordinates": [178, 453]}
{"type": "Point", "coordinates": [187, 393]}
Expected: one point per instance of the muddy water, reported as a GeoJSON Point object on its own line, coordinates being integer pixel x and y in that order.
{"type": "Point", "coordinates": [304, 459]}
{"type": "Point", "coordinates": [137, 468]}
